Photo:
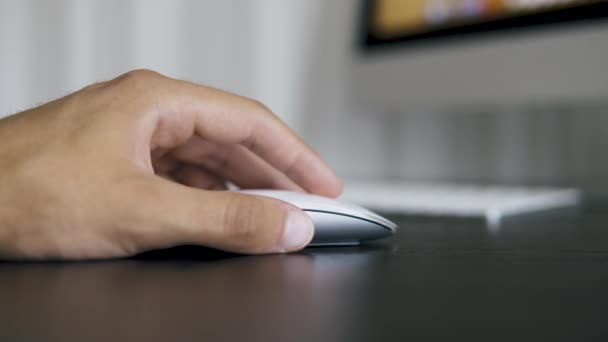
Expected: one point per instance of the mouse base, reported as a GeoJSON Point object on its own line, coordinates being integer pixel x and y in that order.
{"type": "Point", "coordinates": [333, 244]}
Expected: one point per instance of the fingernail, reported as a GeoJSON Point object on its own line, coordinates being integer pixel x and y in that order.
{"type": "Point", "coordinates": [299, 230]}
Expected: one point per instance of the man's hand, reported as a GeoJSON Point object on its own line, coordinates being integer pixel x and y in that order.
{"type": "Point", "coordinates": [125, 166]}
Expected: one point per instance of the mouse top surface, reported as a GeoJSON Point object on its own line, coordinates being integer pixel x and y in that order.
{"type": "Point", "coordinates": [315, 203]}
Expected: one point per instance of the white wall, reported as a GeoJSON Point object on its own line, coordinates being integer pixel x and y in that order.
{"type": "Point", "coordinates": [254, 48]}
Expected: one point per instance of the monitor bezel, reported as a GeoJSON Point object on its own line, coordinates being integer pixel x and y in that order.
{"type": "Point", "coordinates": [584, 13]}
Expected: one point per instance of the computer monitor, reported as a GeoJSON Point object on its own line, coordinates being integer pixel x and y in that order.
{"type": "Point", "coordinates": [445, 53]}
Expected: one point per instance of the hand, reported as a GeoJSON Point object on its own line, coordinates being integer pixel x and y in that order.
{"type": "Point", "coordinates": [127, 165]}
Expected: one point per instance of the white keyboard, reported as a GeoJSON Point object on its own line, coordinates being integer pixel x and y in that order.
{"type": "Point", "coordinates": [437, 199]}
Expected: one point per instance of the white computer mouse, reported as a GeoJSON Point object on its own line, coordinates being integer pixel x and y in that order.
{"type": "Point", "coordinates": [336, 222]}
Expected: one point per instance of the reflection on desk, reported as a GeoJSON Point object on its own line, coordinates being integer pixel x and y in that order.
{"type": "Point", "coordinates": [438, 278]}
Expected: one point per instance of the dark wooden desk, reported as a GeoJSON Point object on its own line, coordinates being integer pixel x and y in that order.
{"type": "Point", "coordinates": [541, 279]}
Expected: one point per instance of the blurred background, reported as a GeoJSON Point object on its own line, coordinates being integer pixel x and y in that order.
{"type": "Point", "coordinates": [426, 91]}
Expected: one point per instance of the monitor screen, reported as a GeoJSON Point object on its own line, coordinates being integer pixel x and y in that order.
{"type": "Point", "coordinates": [387, 22]}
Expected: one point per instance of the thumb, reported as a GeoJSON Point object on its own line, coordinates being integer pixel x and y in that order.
{"type": "Point", "coordinates": [168, 214]}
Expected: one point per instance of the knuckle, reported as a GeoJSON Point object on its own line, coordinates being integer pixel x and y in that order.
{"type": "Point", "coordinates": [262, 114]}
{"type": "Point", "coordinates": [262, 107]}
{"type": "Point", "coordinates": [141, 88]}
{"type": "Point", "coordinates": [249, 223]}
{"type": "Point", "coordinates": [239, 225]}
{"type": "Point", "coordinates": [139, 78]}
{"type": "Point", "coordinates": [141, 74]}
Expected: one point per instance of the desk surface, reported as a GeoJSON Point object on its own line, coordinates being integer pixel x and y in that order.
{"type": "Point", "coordinates": [541, 279]}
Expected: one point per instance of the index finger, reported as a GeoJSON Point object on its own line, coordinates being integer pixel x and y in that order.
{"type": "Point", "coordinates": [225, 118]}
